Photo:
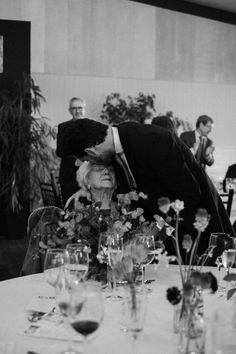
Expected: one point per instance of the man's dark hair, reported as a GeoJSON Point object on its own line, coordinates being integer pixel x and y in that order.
{"type": "Point", "coordinates": [165, 122]}
{"type": "Point", "coordinates": [81, 134]}
{"type": "Point", "coordinates": [203, 119]}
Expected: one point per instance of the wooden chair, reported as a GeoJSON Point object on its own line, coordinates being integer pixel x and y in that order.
{"type": "Point", "coordinates": [227, 199]}
{"type": "Point", "coordinates": [51, 192]}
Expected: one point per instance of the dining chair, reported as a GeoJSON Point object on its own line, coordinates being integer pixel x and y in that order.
{"type": "Point", "coordinates": [51, 194]}
{"type": "Point", "coordinates": [227, 199]}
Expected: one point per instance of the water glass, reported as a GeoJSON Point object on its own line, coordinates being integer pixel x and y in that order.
{"type": "Point", "coordinates": [76, 263]}
{"type": "Point", "coordinates": [53, 262]}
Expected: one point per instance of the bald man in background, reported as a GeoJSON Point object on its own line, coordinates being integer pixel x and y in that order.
{"type": "Point", "coordinates": [67, 173]}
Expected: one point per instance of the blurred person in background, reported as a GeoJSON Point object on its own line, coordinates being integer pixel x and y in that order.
{"type": "Point", "coordinates": [67, 173]}
{"type": "Point", "coordinates": [199, 143]}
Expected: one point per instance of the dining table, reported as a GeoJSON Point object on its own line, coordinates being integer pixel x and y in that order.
{"type": "Point", "coordinates": [157, 336]}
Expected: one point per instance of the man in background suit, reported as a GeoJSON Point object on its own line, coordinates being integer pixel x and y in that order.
{"type": "Point", "coordinates": [199, 143]}
{"type": "Point", "coordinates": [67, 173]}
{"type": "Point", "coordinates": [154, 162]}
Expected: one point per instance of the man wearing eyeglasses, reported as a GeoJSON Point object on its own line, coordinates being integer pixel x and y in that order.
{"type": "Point", "coordinates": [199, 143]}
{"type": "Point", "coordinates": [67, 173]}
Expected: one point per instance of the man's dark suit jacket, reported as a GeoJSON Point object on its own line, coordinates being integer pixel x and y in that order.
{"type": "Point", "coordinates": [67, 173]}
{"type": "Point", "coordinates": [163, 166]}
{"type": "Point", "coordinates": [189, 139]}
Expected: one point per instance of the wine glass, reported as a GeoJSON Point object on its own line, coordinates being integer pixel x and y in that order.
{"type": "Point", "coordinates": [228, 256]}
{"type": "Point", "coordinates": [63, 295]}
{"type": "Point", "coordinates": [86, 310]}
{"type": "Point", "coordinates": [149, 244]}
{"type": "Point", "coordinates": [103, 254]}
{"type": "Point", "coordinates": [76, 263]}
{"type": "Point", "coordinates": [53, 262]}
{"type": "Point", "coordinates": [115, 253]}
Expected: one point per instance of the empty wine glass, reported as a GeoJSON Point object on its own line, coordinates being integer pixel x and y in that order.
{"type": "Point", "coordinates": [149, 244]}
{"type": "Point", "coordinates": [228, 256]}
{"type": "Point", "coordinates": [76, 263]}
{"type": "Point", "coordinates": [221, 243]}
{"type": "Point", "coordinates": [53, 262]}
{"type": "Point", "coordinates": [86, 310]}
{"type": "Point", "coordinates": [103, 254]}
{"type": "Point", "coordinates": [115, 253]}
{"type": "Point", "coordinates": [63, 294]}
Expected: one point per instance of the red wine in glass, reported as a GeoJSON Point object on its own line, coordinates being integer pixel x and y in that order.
{"type": "Point", "coordinates": [85, 327]}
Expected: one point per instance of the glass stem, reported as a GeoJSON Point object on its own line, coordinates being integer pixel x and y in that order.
{"type": "Point", "coordinates": [85, 346]}
{"type": "Point", "coordinates": [143, 275]}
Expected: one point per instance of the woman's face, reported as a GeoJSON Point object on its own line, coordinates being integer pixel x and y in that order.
{"type": "Point", "coordinates": [101, 177]}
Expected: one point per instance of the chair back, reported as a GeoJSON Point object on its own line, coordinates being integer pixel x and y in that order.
{"type": "Point", "coordinates": [227, 199]}
{"type": "Point", "coordinates": [51, 192]}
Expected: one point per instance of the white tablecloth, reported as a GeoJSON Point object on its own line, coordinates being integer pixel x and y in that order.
{"type": "Point", "coordinates": [156, 338]}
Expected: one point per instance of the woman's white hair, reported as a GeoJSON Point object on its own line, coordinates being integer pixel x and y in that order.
{"type": "Point", "coordinates": [82, 175]}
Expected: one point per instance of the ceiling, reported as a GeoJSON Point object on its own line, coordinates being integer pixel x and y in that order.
{"type": "Point", "coordinates": [227, 5]}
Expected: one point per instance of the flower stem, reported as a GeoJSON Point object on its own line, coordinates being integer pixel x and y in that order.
{"type": "Point", "coordinates": [193, 252]}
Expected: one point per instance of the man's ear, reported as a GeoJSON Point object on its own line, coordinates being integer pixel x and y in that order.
{"type": "Point", "coordinates": [90, 152]}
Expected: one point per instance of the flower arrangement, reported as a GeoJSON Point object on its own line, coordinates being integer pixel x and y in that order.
{"type": "Point", "coordinates": [85, 222]}
{"type": "Point", "coordinates": [192, 278]}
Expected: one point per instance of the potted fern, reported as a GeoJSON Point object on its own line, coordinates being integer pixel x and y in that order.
{"type": "Point", "coordinates": [25, 152]}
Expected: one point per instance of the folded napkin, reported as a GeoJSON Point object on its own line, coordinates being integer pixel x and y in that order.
{"type": "Point", "coordinates": [41, 303]}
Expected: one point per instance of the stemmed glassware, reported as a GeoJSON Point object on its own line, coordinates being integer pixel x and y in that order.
{"type": "Point", "coordinates": [224, 247]}
{"type": "Point", "coordinates": [76, 263]}
{"type": "Point", "coordinates": [103, 252]}
{"type": "Point", "coordinates": [86, 310]}
{"type": "Point", "coordinates": [149, 244]}
{"type": "Point", "coordinates": [228, 256]}
{"type": "Point", "coordinates": [53, 262]}
{"type": "Point", "coordinates": [115, 253]}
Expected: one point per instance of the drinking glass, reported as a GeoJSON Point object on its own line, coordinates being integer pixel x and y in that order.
{"type": "Point", "coordinates": [149, 244]}
{"type": "Point", "coordinates": [76, 263]}
{"type": "Point", "coordinates": [53, 262]}
{"type": "Point", "coordinates": [103, 252]}
{"type": "Point", "coordinates": [86, 310]}
{"type": "Point", "coordinates": [219, 241]}
{"type": "Point", "coordinates": [228, 256]}
{"type": "Point", "coordinates": [63, 294]}
{"type": "Point", "coordinates": [115, 253]}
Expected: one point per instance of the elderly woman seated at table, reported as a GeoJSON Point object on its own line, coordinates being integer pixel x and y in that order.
{"type": "Point", "coordinates": [45, 224]}
{"type": "Point", "coordinates": [97, 183]}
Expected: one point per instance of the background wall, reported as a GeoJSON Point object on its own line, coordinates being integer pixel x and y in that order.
{"type": "Point", "coordinates": [90, 48]}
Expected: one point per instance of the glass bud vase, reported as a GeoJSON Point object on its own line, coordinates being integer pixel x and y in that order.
{"type": "Point", "coordinates": [192, 335]}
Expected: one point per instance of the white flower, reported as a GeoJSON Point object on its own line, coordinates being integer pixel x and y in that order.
{"type": "Point", "coordinates": [142, 195]}
{"type": "Point", "coordinates": [177, 205]}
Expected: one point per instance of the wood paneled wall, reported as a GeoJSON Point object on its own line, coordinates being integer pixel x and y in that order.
{"type": "Point", "coordinates": [90, 48]}
{"type": "Point", "coordinates": [124, 39]}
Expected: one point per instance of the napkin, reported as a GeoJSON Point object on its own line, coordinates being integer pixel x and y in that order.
{"type": "Point", "coordinates": [41, 303]}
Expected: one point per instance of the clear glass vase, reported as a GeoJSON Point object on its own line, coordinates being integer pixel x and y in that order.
{"type": "Point", "coordinates": [192, 334]}
{"type": "Point", "coordinates": [134, 306]}
{"type": "Point", "coordinates": [181, 310]}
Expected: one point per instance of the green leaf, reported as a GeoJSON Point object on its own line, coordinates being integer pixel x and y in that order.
{"type": "Point", "coordinates": [230, 277]}
{"type": "Point", "coordinates": [230, 293]}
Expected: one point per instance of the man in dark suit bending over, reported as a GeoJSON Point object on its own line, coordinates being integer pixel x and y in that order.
{"type": "Point", "coordinates": [151, 160]}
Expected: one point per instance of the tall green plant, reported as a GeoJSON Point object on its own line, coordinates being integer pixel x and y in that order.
{"type": "Point", "coordinates": [24, 144]}
{"type": "Point", "coordinates": [117, 110]}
